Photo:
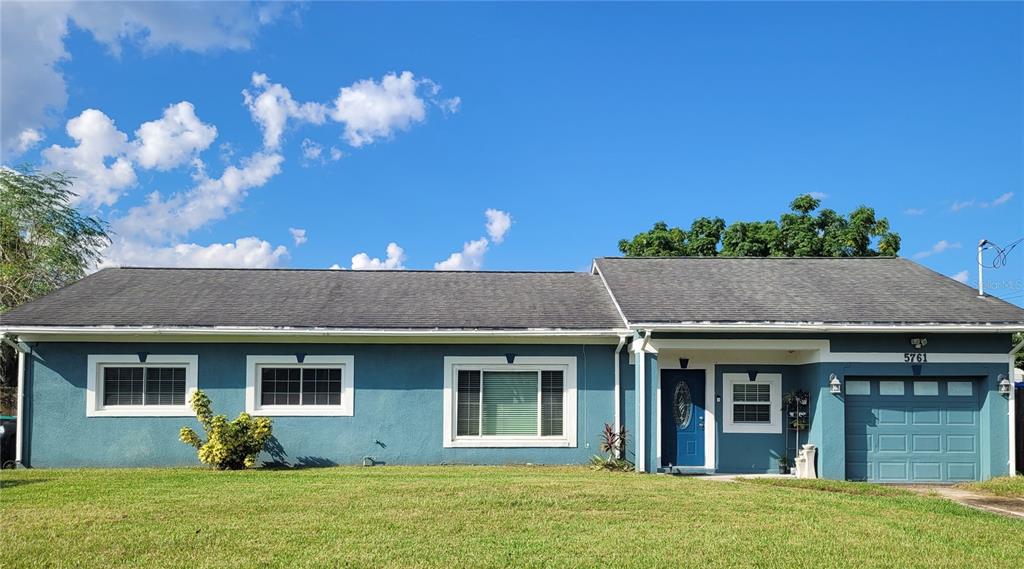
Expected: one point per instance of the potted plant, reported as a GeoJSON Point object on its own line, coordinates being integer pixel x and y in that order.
{"type": "Point", "coordinates": [784, 464]}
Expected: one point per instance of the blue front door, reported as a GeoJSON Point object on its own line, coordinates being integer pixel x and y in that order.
{"type": "Point", "coordinates": [682, 417]}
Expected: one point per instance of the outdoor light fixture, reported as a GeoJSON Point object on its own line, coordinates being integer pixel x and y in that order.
{"type": "Point", "coordinates": [752, 374]}
{"type": "Point", "coordinates": [510, 358]}
{"type": "Point", "coordinates": [1004, 384]}
{"type": "Point", "coordinates": [834, 385]}
{"type": "Point", "coordinates": [919, 343]}
{"type": "Point", "coordinates": [683, 362]}
{"type": "Point", "coordinates": [143, 356]}
{"type": "Point", "coordinates": [300, 357]}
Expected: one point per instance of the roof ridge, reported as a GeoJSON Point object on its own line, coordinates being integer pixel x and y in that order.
{"type": "Point", "coordinates": [346, 271]}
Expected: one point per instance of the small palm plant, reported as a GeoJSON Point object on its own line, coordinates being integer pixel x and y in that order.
{"type": "Point", "coordinates": [229, 445]}
{"type": "Point", "coordinates": [613, 443]}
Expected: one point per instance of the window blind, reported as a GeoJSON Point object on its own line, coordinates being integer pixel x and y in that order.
{"type": "Point", "coordinates": [509, 403]}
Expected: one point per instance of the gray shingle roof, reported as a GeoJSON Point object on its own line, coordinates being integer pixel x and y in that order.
{"type": "Point", "coordinates": [877, 290]}
{"type": "Point", "coordinates": [325, 299]}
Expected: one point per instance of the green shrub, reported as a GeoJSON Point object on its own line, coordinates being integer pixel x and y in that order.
{"type": "Point", "coordinates": [229, 445]}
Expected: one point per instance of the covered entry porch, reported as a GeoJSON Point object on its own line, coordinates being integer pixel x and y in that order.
{"type": "Point", "coordinates": [719, 405]}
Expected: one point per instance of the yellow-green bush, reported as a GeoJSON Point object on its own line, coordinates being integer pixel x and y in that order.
{"type": "Point", "coordinates": [229, 445]}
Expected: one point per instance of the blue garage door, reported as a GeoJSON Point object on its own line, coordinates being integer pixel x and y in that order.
{"type": "Point", "coordinates": [920, 430]}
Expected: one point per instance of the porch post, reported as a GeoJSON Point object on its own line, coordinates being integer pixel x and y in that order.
{"type": "Point", "coordinates": [640, 398]}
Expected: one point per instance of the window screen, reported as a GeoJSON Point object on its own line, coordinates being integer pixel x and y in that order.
{"type": "Point", "coordinates": [142, 385]}
{"type": "Point", "coordinates": [751, 403]}
{"type": "Point", "coordinates": [300, 386]}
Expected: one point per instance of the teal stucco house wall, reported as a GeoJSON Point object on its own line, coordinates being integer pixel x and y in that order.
{"type": "Point", "coordinates": [893, 373]}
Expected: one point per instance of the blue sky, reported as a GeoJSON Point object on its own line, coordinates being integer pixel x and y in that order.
{"type": "Point", "coordinates": [582, 123]}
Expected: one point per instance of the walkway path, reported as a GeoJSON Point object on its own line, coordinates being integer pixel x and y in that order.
{"type": "Point", "coordinates": [1013, 507]}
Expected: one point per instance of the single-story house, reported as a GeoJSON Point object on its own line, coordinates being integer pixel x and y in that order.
{"type": "Point", "coordinates": [895, 373]}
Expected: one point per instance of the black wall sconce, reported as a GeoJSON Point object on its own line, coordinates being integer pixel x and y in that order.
{"type": "Point", "coordinates": [752, 374]}
{"type": "Point", "coordinates": [300, 357]}
{"type": "Point", "coordinates": [510, 358]}
{"type": "Point", "coordinates": [143, 356]}
{"type": "Point", "coordinates": [683, 362]}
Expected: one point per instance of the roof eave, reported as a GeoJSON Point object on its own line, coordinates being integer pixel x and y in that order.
{"type": "Point", "coordinates": [1001, 327]}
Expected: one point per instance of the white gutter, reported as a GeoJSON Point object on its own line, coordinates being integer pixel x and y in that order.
{"type": "Point", "coordinates": [821, 327]}
{"type": "Point", "coordinates": [618, 388]}
{"type": "Point", "coordinates": [1013, 412]}
{"type": "Point", "coordinates": [19, 433]}
{"type": "Point", "coordinates": [286, 331]}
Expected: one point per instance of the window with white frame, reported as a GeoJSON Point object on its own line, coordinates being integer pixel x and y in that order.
{"type": "Point", "coordinates": [124, 385]}
{"type": "Point", "coordinates": [284, 386]}
{"type": "Point", "coordinates": [490, 402]}
{"type": "Point", "coordinates": [752, 406]}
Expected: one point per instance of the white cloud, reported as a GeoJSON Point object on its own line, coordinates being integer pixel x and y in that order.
{"type": "Point", "coordinates": [271, 105]}
{"type": "Point", "coordinates": [247, 252]}
{"type": "Point", "coordinates": [998, 201]}
{"type": "Point", "coordinates": [311, 150]}
{"type": "Point", "coordinates": [32, 46]}
{"type": "Point", "coordinates": [818, 195]}
{"type": "Point", "coordinates": [1003, 199]}
{"type": "Point", "coordinates": [298, 235]}
{"type": "Point", "coordinates": [336, 267]}
{"type": "Point", "coordinates": [173, 139]}
{"type": "Point", "coordinates": [939, 247]}
{"type": "Point", "coordinates": [98, 140]}
{"type": "Point", "coordinates": [914, 211]}
{"type": "Point", "coordinates": [498, 224]}
{"type": "Point", "coordinates": [961, 276]}
{"type": "Point", "coordinates": [372, 110]}
{"type": "Point", "coordinates": [394, 260]}
{"type": "Point", "coordinates": [959, 205]}
{"type": "Point", "coordinates": [471, 258]}
{"type": "Point", "coordinates": [28, 139]}
{"type": "Point", "coordinates": [209, 200]}
{"type": "Point", "coordinates": [336, 154]}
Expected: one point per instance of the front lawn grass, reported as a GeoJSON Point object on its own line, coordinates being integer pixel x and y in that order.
{"type": "Point", "coordinates": [465, 516]}
{"type": "Point", "coordinates": [1009, 486]}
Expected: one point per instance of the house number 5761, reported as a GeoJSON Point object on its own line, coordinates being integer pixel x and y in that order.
{"type": "Point", "coordinates": [915, 357]}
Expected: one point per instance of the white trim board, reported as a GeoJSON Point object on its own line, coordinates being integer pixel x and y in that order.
{"type": "Point", "coordinates": [521, 363]}
{"type": "Point", "coordinates": [94, 392]}
{"type": "Point", "coordinates": [774, 381]}
{"type": "Point", "coordinates": [252, 385]}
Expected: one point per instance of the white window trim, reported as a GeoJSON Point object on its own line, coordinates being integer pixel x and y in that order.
{"type": "Point", "coordinates": [252, 386]}
{"type": "Point", "coordinates": [774, 381]}
{"type": "Point", "coordinates": [452, 364]}
{"type": "Point", "coordinates": [94, 385]}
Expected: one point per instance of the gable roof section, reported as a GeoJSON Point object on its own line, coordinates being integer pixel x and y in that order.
{"type": "Point", "coordinates": [731, 290]}
{"type": "Point", "coordinates": [270, 298]}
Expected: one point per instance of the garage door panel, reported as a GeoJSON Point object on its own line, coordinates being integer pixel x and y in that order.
{"type": "Point", "coordinates": [926, 416]}
{"type": "Point", "coordinates": [927, 471]}
{"type": "Point", "coordinates": [892, 443]}
{"type": "Point", "coordinates": [892, 471]}
{"type": "Point", "coordinates": [892, 417]}
{"type": "Point", "coordinates": [961, 417]}
{"type": "Point", "coordinates": [899, 431]}
{"type": "Point", "coordinates": [961, 443]}
{"type": "Point", "coordinates": [926, 443]}
{"type": "Point", "coordinates": [958, 471]}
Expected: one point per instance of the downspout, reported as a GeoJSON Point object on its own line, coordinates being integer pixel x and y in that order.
{"type": "Point", "coordinates": [1012, 420]}
{"type": "Point", "coordinates": [19, 433]}
{"type": "Point", "coordinates": [618, 389]}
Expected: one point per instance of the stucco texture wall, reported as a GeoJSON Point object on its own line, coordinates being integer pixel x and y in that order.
{"type": "Point", "coordinates": [398, 413]}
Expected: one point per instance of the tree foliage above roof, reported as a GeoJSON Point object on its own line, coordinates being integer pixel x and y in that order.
{"type": "Point", "coordinates": [45, 243]}
{"type": "Point", "coordinates": [804, 231]}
